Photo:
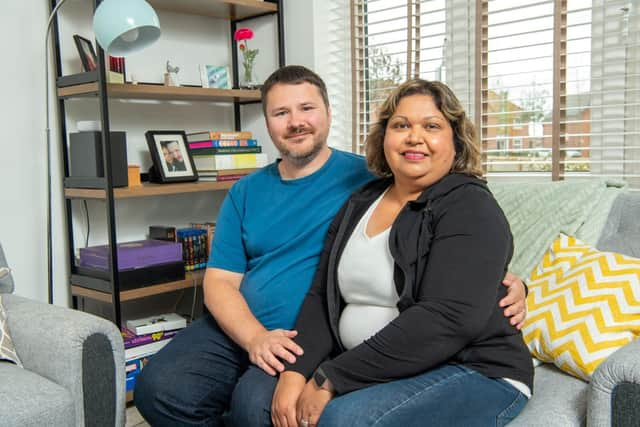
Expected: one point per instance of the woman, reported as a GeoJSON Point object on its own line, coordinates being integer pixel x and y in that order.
{"type": "Point", "coordinates": [401, 324]}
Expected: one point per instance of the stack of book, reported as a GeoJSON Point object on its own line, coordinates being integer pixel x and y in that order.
{"type": "Point", "coordinates": [144, 337]}
{"type": "Point", "coordinates": [225, 156]}
{"type": "Point", "coordinates": [210, 228]}
{"type": "Point", "coordinates": [194, 247]}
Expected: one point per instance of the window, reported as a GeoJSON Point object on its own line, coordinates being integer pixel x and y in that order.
{"type": "Point", "coordinates": [517, 143]}
{"type": "Point", "coordinates": [394, 40]}
{"type": "Point", "coordinates": [502, 143]}
{"type": "Point", "coordinates": [554, 88]}
{"type": "Point", "coordinates": [333, 63]}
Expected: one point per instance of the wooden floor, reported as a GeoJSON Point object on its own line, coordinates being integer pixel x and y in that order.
{"type": "Point", "coordinates": [134, 419]}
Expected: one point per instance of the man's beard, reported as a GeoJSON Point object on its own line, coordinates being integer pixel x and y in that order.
{"type": "Point", "coordinates": [301, 159]}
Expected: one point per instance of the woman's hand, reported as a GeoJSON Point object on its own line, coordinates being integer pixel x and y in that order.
{"type": "Point", "coordinates": [268, 347]}
{"type": "Point", "coordinates": [311, 403]}
{"type": "Point", "coordinates": [515, 301]}
{"type": "Point", "coordinates": [283, 406]}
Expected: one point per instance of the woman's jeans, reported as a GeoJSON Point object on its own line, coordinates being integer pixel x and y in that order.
{"type": "Point", "coordinates": [198, 376]}
{"type": "Point", "coordinates": [448, 396]}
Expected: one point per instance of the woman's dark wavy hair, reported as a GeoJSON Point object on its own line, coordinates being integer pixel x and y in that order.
{"type": "Point", "coordinates": [468, 159]}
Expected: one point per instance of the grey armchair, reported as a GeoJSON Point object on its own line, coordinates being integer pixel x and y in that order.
{"type": "Point", "coordinates": [73, 366]}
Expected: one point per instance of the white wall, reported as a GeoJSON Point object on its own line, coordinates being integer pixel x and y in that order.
{"type": "Point", "coordinates": [22, 174]}
{"type": "Point", "coordinates": [187, 41]}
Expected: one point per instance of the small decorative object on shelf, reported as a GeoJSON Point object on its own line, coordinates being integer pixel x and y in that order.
{"type": "Point", "coordinates": [134, 175]}
{"type": "Point", "coordinates": [116, 71]}
{"type": "Point", "coordinates": [214, 76]}
{"type": "Point", "coordinates": [86, 52]}
{"type": "Point", "coordinates": [116, 64]}
{"type": "Point", "coordinates": [249, 80]}
{"type": "Point", "coordinates": [172, 161]}
{"type": "Point", "coordinates": [171, 76]}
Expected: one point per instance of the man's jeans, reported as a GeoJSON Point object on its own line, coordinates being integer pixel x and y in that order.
{"type": "Point", "coordinates": [198, 376]}
{"type": "Point", "coordinates": [447, 396]}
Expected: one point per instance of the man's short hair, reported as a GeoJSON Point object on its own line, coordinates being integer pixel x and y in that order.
{"type": "Point", "coordinates": [293, 75]}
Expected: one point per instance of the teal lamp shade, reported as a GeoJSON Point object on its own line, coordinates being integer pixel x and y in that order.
{"type": "Point", "coordinates": [125, 26]}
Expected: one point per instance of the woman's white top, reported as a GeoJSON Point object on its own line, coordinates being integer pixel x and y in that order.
{"type": "Point", "coordinates": [365, 278]}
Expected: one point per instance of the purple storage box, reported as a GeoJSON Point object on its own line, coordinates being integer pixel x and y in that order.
{"type": "Point", "coordinates": [131, 255]}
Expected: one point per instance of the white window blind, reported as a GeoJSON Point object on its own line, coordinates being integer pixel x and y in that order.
{"type": "Point", "coordinates": [603, 90]}
{"type": "Point", "coordinates": [517, 87]}
{"type": "Point", "coordinates": [560, 95]}
{"type": "Point", "coordinates": [394, 40]}
{"type": "Point", "coordinates": [383, 55]}
{"type": "Point", "coordinates": [554, 85]}
{"type": "Point", "coordinates": [334, 65]}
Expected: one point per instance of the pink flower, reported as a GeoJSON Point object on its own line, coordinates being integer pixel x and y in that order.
{"type": "Point", "coordinates": [243, 34]}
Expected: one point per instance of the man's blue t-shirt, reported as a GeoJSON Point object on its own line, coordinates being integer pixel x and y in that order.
{"type": "Point", "coordinates": [272, 230]}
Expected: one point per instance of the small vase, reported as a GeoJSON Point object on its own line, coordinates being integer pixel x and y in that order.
{"type": "Point", "coordinates": [249, 80]}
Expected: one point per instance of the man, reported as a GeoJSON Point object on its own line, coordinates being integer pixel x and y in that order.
{"type": "Point", "coordinates": [268, 239]}
{"type": "Point", "coordinates": [168, 157]}
{"type": "Point", "coordinates": [176, 153]}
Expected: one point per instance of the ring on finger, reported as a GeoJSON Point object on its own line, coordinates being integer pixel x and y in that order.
{"type": "Point", "coordinates": [304, 423]}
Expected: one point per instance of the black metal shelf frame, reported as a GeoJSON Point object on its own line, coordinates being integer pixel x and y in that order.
{"type": "Point", "coordinates": [111, 284]}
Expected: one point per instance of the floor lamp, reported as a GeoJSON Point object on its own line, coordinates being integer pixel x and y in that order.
{"type": "Point", "coordinates": [121, 27]}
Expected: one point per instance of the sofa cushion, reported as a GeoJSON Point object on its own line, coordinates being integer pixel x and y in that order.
{"type": "Point", "coordinates": [558, 400]}
{"type": "Point", "coordinates": [6, 281]}
{"type": "Point", "coordinates": [31, 400]}
{"type": "Point", "coordinates": [539, 211]}
{"type": "Point", "coordinates": [621, 233]}
{"type": "Point", "coordinates": [7, 348]}
{"type": "Point", "coordinates": [583, 305]}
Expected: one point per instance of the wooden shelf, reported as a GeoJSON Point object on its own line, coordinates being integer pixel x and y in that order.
{"type": "Point", "coordinates": [191, 279]}
{"type": "Point", "coordinates": [149, 190]}
{"type": "Point", "coordinates": [227, 9]}
{"type": "Point", "coordinates": [160, 92]}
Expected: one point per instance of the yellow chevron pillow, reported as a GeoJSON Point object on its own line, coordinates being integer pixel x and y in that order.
{"type": "Point", "coordinates": [583, 305]}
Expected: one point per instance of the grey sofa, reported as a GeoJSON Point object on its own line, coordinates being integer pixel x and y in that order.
{"type": "Point", "coordinates": [73, 366]}
{"type": "Point", "coordinates": [612, 398]}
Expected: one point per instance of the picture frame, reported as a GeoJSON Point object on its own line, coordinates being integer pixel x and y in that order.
{"type": "Point", "coordinates": [215, 76]}
{"type": "Point", "coordinates": [171, 156]}
{"type": "Point", "coordinates": [86, 52]}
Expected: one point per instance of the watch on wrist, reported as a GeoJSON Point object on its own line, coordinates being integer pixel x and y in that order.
{"type": "Point", "coordinates": [321, 380]}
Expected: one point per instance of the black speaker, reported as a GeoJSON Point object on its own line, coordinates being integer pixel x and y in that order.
{"type": "Point", "coordinates": [85, 159]}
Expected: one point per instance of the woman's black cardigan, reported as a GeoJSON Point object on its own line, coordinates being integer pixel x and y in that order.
{"type": "Point", "coordinates": [451, 248]}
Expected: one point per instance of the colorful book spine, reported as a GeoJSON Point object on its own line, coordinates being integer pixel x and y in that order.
{"type": "Point", "coordinates": [229, 161]}
{"type": "Point", "coordinates": [205, 151]}
{"type": "Point", "coordinates": [210, 228]}
{"type": "Point", "coordinates": [133, 340]}
{"type": "Point", "coordinates": [144, 350]}
{"type": "Point", "coordinates": [133, 368]}
{"type": "Point", "coordinates": [244, 171]}
{"type": "Point", "coordinates": [225, 175]}
{"type": "Point", "coordinates": [223, 143]}
{"type": "Point", "coordinates": [205, 135]}
{"type": "Point", "coordinates": [194, 248]}
{"type": "Point", "coordinates": [157, 323]}
{"type": "Point", "coordinates": [222, 178]}
{"type": "Point", "coordinates": [130, 382]}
